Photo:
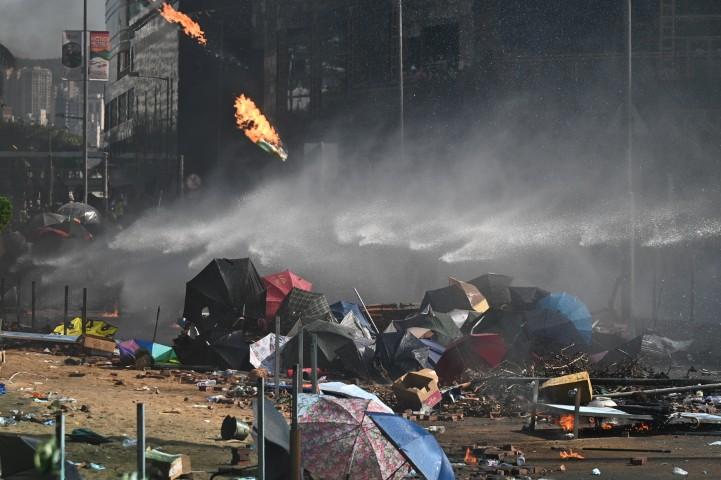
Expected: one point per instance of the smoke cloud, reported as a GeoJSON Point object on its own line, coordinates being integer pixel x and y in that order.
{"type": "Point", "coordinates": [33, 28]}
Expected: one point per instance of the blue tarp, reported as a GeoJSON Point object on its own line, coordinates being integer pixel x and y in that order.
{"type": "Point", "coordinates": [341, 309]}
{"type": "Point", "coordinates": [573, 309]}
{"type": "Point", "coordinates": [419, 446]}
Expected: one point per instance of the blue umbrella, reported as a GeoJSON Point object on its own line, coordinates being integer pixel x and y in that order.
{"type": "Point", "coordinates": [419, 446]}
{"type": "Point", "coordinates": [341, 309]}
{"type": "Point", "coordinates": [573, 309]}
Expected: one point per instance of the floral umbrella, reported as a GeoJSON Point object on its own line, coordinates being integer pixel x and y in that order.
{"type": "Point", "coordinates": [340, 441]}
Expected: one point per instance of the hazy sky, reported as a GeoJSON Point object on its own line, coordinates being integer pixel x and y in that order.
{"type": "Point", "coordinates": [33, 28]}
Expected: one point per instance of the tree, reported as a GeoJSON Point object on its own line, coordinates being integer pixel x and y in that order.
{"type": "Point", "coordinates": [6, 212]}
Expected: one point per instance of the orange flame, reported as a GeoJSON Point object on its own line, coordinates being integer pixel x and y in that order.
{"type": "Point", "coordinates": [190, 27]}
{"type": "Point", "coordinates": [642, 427]}
{"type": "Point", "coordinates": [470, 459]}
{"type": "Point", "coordinates": [571, 454]}
{"type": "Point", "coordinates": [256, 127]}
{"type": "Point", "coordinates": [606, 426]}
{"type": "Point", "coordinates": [566, 422]}
{"type": "Point", "coordinates": [114, 314]}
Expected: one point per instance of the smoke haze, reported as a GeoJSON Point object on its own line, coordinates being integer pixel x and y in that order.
{"type": "Point", "coordinates": [33, 28]}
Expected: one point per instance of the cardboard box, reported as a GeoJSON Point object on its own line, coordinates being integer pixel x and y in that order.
{"type": "Point", "coordinates": [417, 390]}
{"type": "Point", "coordinates": [557, 390]}
{"type": "Point", "coordinates": [161, 465]}
{"type": "Point", "coordinates": [98, 345]}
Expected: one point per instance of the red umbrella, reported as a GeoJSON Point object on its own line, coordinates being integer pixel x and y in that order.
{"type": "Point", "coordinates": [482, 350]}
{"type": "Point", "coordinates": [279, 286]}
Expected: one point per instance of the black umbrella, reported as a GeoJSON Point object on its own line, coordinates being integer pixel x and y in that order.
{"type": "Point", "coordinates": [442, 325]}
{"type": "Point", "coordinates": [229, 289]}
{"type": "Point", "coordinates": [303, 308]}
{"type": "Point", "coordinates": [525, 298]}
{"type": "Point", "coordinates": [400, 353]}
{"type": "Point", "coordinates": [494, 287]}
{"type": "Point", "coordinates": [233, 350]}
{"type": "Point", "coordinates": [331, 338]}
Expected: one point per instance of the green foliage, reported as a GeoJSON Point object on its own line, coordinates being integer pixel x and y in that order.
{"type": "Point", "coordinates": [6, 212]}
{"type": "Point", "coordinates": [25, 137]}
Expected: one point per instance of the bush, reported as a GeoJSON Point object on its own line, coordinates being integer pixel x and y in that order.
{"type": "Point", "coordinates": [6, 212]}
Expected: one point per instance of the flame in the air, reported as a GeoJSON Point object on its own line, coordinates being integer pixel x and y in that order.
{"type": "Point", "coordinates": [255, 126]}
{"type": "Point", "coordinates": [114, 314]}
{"type": "Point", "coordinates": [570, 454]}
{"type": "Point", "coordinates": [470, 459]}
{"type": "Point", "coordinates": [566, 422]}
{"type": "Point", "coordinates": [190, 27]}
{"type": "Point", "coordinates": [642, 427]}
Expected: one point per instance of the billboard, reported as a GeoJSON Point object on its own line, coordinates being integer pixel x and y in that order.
{"type": "Point", "coordinates": [99, 66]}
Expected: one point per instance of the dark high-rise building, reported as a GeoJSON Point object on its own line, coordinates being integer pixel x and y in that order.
{"type": "Point", "coordinates": [170, 97]}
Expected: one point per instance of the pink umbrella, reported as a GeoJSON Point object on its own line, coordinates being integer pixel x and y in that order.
{"type": "Point", "coordinates": [339, 440]}
{"type": "Point", "coordinates": [278, 286]}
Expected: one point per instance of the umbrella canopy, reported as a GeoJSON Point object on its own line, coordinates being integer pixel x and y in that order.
{"type": "Point", "coordinates": [278, 286]}
{"type": "Point", "coordinates": [44, 219]}
{"type": "Point", "coordinates": [573, 309]}
{"type": "Point", "coordinates": [339, 440]}
{"type": "Point", "coordinates": [233, 351]}
{"type": "Point", "coordinates": [458, 295]}
{"type": "Point", "coordinates": [345, 390]}
{"type": "Point", "coordinates": [418, 446]}
{"type": "Point", "coordinates": [82, 211]}
{"type": "Point", "coordinates": [526, 298]}
{"type": "Point", "coordinates": [64, 230]}
{"type": "Point", "coordinates": [262, 352]}
{"type": "Point", "coordinates": [435, 351]}
{"type": "Point", "coordinates": [331, 337]}
{"type": "Point", "coordinates": [475, 351]}
{"type": "Point", "coordinates": [546, 327]}
{"type": "Point", "coordinates": [129, 350]}
{"type": "Point", "coordinates": [302, 308]}
{"type": "Point", "coordinates": [442, 325]}
{"type": "Point", "coordinates": [277, 440]}
{"type": "Point", "coordinates": [494, 287]}
{"type": "Point", "coordinates": [227, 288]}
{"type": "Point", "coordinates": [340, 310]}
{"type": "Point", "coordinates": [17, 458]}
{"type": "Point", "coordinates": [400, 352]}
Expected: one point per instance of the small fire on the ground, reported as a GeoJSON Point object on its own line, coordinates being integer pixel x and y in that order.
{"type": "Point", "coordinates": [470, 459]}
{"type": "Point", "coordinates": [566, 422]}
{"type": "Point", "coordinates": [114, 314]}
{"type": "Point", "coordinates": [570, 454]}
{"type": "Point", "coordinates": [642, 427]}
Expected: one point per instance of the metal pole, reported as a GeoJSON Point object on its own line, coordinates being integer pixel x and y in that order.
{"type": "Point", "coordinates": [65, 311]}
{"type": "Point", "coordinates": [576, 410]}
{"type": "Point", "coordinates": [277, 359]}
{"type": "Point", "coordinates": [2, 297]}
{"type": "Point", "coordinates": [85, 311]}
{"type": "Point", "coordinates": [300, 356]}
{"type": "Point", "coordinates": [32, 305]}
{"type": "Point", "coordinates": [314, 361]}
{"type": "Point", "coordinates": [631, 171]}
{"type": "Point", "coordinates": [295, 458]}
{"type": "Point", "coordinates": [401, 80]}
{"type": "Point", "coordinates": [60, 440]}
{"type": "Point", "coordinates": [86, 57]}
{"type": "Point", "coordinates": [261, 429]}
{"type": "Point", "coordinates": [157, 318]}
{"type": "Point", "coordinates": [375, 327]}
{"type": "Point", "coordinates": [141, 441]}
{"type": "Point", "coordinates": [534, 406]}
{"type": "Point", "coordinates": [106, 189]}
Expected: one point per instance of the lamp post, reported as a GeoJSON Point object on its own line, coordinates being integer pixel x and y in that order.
{"type": "Point", "coordinates": [167, 112]}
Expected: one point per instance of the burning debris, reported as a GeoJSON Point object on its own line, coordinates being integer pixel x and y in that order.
{"type": "Point", "coordinates": [257, 128]}
{"type": "Point", "coordinates": [190, 27]}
